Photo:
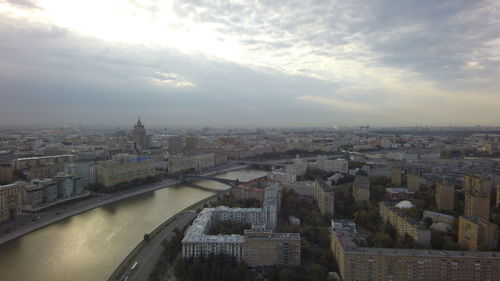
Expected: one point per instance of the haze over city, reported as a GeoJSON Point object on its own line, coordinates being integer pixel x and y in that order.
{"type": "Point", "coordinates": [249, 63]}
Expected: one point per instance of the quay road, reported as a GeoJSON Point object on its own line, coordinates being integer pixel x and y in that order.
{"type": "Point", "coordinates": [29, 223]}
{"type": "Point", "coordinates": [147, 254]}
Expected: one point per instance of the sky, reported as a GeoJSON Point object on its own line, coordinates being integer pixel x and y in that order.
{"type": "Point", "coordinates": [263, 63]}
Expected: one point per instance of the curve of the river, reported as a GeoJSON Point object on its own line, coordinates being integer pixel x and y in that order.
{"type": "Point", "coordinates": [88, 246]}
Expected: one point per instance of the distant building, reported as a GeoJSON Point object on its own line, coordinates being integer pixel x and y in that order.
{"type": "Point", "coordinates": [397, 194]}
{"type": "Point", "coordinates": [175, 144]}
{"type": "Point", "coordinates": [43, 166]}
{"type": "Point", "coordinates": [498, 195]}
{"type": "Point", "coordinates": [324, 195]}
{"type": "Point", "coordinates": [10, 201]}
{"type": "Point", "coordinates": [298, 168]}
{"type": "Point", "coordinates": [445, 196]}
{"type": "Point", "coordinates": [361, 189]}
{"type": "Point", "coordinates": [6, 174]}
{"type": "Point", "coordinates": [438, 217]}
{"type": "Point", "coordinates": [183, 163]}
{"type": "Point", "coordinates": [404, 225]}
{"type": "Point", "coordinates": [361, 263]}
{"type": "Point", "coordinates": [477, 197]}
{"type": "Point", "coordinates": [192, 144]}
{"type": "Point", "coordinates": [124, 168]}
{"type": "Point", "coordinates": [337, 165]}
{"type": "Point", "coordinates": [139, 136]}
{"type": "Point", "coordinates": [244, 192]}
{"type": "Point", "coordinates": [474, 232]}
{"type": "Point", "coordinates": [413, 182]}
{"type": "Point", "coordinates": [396, 176]}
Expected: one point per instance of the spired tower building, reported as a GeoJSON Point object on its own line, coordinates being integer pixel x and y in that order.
{"type": "Point", "coordinates": [139, 136]}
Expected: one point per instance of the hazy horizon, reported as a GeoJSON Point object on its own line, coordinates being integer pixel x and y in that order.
{"type": "Point", "coordinates": [249, 63]}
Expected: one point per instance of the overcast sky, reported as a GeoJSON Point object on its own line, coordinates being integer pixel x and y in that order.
{"type": "Point", "coordinates": [249, 63]}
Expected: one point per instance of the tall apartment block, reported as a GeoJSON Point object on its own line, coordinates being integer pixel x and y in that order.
{"type": "Point", "coordinates": [477, 197]}
{"type": "Point", "coordinates": [413, 181]}
{"type": "Point", "coordinates": [323, 193]}
{"type": "Point", "coordinates": [396, 176]}
{"type": "Point", "coordinates": [445, 196]}
{"type": "Point", "coordinates": [361, 189]}
{"type": "Point", "coordinates": [474, 232]}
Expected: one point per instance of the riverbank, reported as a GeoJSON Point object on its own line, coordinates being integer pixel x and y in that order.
{"type": "Point", "coordinates": [29, 223]}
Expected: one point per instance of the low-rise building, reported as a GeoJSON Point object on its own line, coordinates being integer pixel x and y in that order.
{"type": "Point", "coordinates": [395, 194]}
{"type": "Point", "coordinates": [474, 232]}
{"type": "Point", "coordinates": [438, 217]}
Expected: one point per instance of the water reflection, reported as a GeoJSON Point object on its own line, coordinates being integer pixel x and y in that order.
{"type": "Point", "coordinates": [89, 246]}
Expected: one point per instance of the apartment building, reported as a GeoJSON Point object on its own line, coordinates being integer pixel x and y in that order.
{"type": "Point", "coordinates": [404, 224]}
{"type": "Point", "coordinates": [475, 233]}
{"type": "Point", "coordinates": [380, 264]}
{"type": "Point", "coordinates": [124, 168]}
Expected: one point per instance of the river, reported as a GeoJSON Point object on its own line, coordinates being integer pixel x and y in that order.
{"type": "Point", "coordinates": [88, 246]}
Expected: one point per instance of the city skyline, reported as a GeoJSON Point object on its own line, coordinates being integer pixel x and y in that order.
{"type": "Point", "coordinates": [249, 64]}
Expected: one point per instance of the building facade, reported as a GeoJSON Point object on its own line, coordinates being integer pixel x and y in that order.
{"type": "Point", "coordinates": [10, 201]}
{"type": "Point", "coordinates": [184, 163]}
{"type": "Point", "coordinates": [445, 196]}
{"type": "Point", "coordinates": [403, 224]}
{"type": "Point", "coordinates": [474, 232]}
{"type": "Point", "coordinates": [413, 182]}
{"type": "Point", "coordinates": [361, 189]}
{"type": "Point", "coordinates": [359, 263]}
{"type": "Point", "coordinates": [124, 168]}
{"type": "Point", "coordinates": [396, 176]}
{"type": "Point", "coordinates": [324, 195]}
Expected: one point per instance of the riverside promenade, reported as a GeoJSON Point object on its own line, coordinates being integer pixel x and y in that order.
{"type": "Point", "coordinates": [29, 223]}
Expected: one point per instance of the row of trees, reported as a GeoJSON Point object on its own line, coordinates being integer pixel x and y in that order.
{"type": "Point", "coordinates": [172, 248]}
{"type": "Point", "coordinates": [213, 268]}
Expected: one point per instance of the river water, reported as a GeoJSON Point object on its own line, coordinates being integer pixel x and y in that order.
{"type": "Point", "coordinates": [88, 246]}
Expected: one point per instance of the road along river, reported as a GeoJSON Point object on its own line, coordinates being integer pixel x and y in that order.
{"type": "Point", "coordinates": [88, 246]}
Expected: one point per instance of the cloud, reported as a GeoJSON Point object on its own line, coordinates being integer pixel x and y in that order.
{"type": "Point", "coordinates": [252, 62]}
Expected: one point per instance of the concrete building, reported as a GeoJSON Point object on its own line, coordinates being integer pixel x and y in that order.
{"type": "Point", "coordinates": [265, 248]}
{"type": "Point", "coordinates": [477, 204]}
{"type": "Point", "coordinates": [192, 144]}
{"type": "Point", "coordinates": [361, 189]}
{"type": "Point", "coordinates": [357, 263]}
{"type": "Point", "coordinates": [175, 144]}
{"type": "Point", "coordinates": [87, 171]}
{"type": "Point", "coordinates": [184, 163]}
{"type": "Point", "coordinates": [244, 192]}
{"type": "Point", "coordinates": [6, 174]}
{"type": "Point", "coordinates": [258, 246]}
{"type": "Point", "coordinates": [396, 176]}
{"type": "Point", "coordinates": [395, 194]}
{"type": "Point", "coordinates": [139, 136]}
{"type": "Point", "coordinates": [337, 165]}
{"type": "Point", "coordinates": [474, 232]}
{"type": "Point", "coordinates": [403, 224]}
{"type": "Point", "coordinates": [324, 195]}
{"type": "Point", "coordinates": [42, 167]}
{"type": "Point", "coordinates": [445, 196]}
{"type": "Point", "coordinates": [413, 182]}
{"type": "Point", "coordinates": [124, 168]}
{"type": "Point", "coordinates": [281, 177]}
{"type": "Point", "coordinates": [498, 195]}
{"type": "Point", "coordinates": [49, 189]}
{"type": "Point", "coordinates": [438, 217]}
{"type": "Point", "coordinates": [10, 201]}
{"type": "Point", "coordinates": [298, 168]}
